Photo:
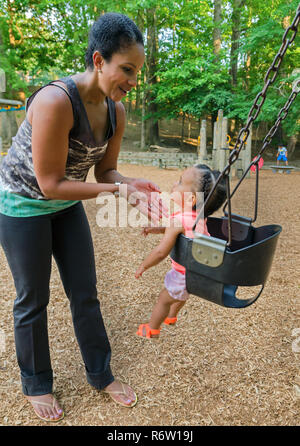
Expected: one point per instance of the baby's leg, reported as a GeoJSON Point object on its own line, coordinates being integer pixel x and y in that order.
{"type": "Point", "coordinates": [175, 308]}
{"type": "Point", "coordinates": [161, 309]}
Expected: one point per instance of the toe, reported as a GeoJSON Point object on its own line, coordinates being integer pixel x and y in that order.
{"type": "Point", "coordinates": [129, 396]}
{"type": "Point", "coordinates": [49, 414]}
{"type": "Point", "coordinates": [57, 410]}
{"type": "Point", "coordinates": [41, 411]}
{"type": "Point", "coordinates": [121, 393]}
{"type": "Point", "coordinates": [45, 409]}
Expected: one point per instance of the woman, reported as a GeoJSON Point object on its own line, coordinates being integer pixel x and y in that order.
{"type": "Point", "coordinates": [71, 125]}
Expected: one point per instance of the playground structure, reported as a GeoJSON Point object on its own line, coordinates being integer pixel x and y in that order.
{"type": "Point", "coordinates": [6, 105]}
{"type": "Point", "coordinates": [221, 149]}
{"type": "Point", "coordinates": [173, 159]}
{"type": "Point", "coordinates": [282, 169]}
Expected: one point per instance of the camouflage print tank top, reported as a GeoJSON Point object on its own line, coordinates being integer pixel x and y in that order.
{"type": "Point", "coordinates": [17, 174]}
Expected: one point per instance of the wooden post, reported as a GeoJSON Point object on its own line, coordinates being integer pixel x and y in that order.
{"type": "Point", "coordinates": [245, 157]}
{"type": "Point", "coordinates": [215, 145]}
{"type": "Point", "coordinates": [202, 150]}
{"type": "Point", "coordinates": [189, 127]}
{"type": "Point", "coordinates": [218, 137]}
{"type": "Point", "coordinates": [198, 146]}
{"type": "Point", "coordinates": [223, 144]}
{"type": "Point", "coordinates": [143, 122]}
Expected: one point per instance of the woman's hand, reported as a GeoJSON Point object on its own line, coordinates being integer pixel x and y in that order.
{"type": "Point", "coordinates": [151, 203]}
{"type": "Point", "coordinates": [139, 200]}
{"type": "Point", "coordinates": [145, 186]}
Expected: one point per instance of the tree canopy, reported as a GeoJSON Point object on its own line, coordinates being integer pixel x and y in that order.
{"type": "Point", "coordinates": [208, 54]}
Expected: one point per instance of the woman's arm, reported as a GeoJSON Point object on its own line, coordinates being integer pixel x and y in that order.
{"type": "Point", "coordinates": [161, 251]}
{"type": "Point", "coordinates": [52, 120]}
{"type": "Point", "coordinates": [106, 170]}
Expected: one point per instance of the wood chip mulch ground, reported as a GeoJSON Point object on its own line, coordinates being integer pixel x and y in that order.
{"type": "Point", "coordinates": [217, 366]}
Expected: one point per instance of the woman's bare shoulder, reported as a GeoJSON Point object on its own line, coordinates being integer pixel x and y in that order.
{"type": "Point", "coordinates": [55, 101]}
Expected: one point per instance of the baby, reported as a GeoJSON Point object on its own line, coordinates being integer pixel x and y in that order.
{"type": "Point", "coordinates": [185, 193]}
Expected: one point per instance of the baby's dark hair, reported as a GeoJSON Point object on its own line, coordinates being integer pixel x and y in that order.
{"type": "Point", "coordinates": [111, 33]}
{"type": "Point", "coordinates": [207, 180]}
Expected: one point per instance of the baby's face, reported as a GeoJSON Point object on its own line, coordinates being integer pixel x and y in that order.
{"type": "Point", "coordinates": [185, 188]}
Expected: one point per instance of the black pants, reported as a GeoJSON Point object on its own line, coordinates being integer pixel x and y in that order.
{"type": "Point", "coordinates": [29, 243]}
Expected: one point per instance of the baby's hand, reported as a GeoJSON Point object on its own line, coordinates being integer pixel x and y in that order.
{"type": "Point", "coordinates": [152, 230]}
{"type": "Point", "coordinates": [145, 231]}
{"type": "Point", "coordinates": [139, 271]}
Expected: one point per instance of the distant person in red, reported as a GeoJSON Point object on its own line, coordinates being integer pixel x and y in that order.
{"type": "Point", "coordinates": [282, 154]}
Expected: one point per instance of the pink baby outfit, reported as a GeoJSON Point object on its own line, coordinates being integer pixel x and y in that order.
{"type": "Point", "coordinates": [175, 278]}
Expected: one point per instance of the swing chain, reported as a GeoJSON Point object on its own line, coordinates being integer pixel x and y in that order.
{"type": "Point", "coordinates": [267, 140]}
{"type": "Point", "coordinates": [254, 112]}
{"type": "Point", "coordinates": [281, 116]}
{"type": "Point", "coordinates": [260, 98]}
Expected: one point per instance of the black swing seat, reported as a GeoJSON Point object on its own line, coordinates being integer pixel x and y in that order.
{"type": "Point", "coordinates": [214, 271]}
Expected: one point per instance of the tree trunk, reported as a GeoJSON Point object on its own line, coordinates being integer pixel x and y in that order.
{"type": "Point", "coordinates": [235, 38]}
{"type": "Point", "coordinates": [217, 28]}
{"type": "Point", "coordinates": [174, 38]}
{"type": "Point", "coordinates": [291, 145]}
{"type": "Point", "coordinates": [143, 122]}
{"type": "Point", "coordinates": [248, 55]}
{"type": "Point", "coordinates": [182, 130]}
{"type": "Point", "coordinates": [140, 24]}
{"type": "Point", "coordinates": [9, 125]}
{"type": "Point", "coordinates": [129, 106]}
{"type": "Point", "coordinates": [138, 93]}
{"type": "Point", "coordinates": [152, 137]}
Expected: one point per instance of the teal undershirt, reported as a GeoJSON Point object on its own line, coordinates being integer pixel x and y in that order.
{"type": "Point", "coordinates": [15, 205]}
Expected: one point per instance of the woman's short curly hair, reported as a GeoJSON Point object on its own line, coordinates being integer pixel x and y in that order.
{"type": "Point", "coordinates": [111, 33]}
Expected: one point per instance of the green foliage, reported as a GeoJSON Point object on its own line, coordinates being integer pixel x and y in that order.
{"type": "Point", "coordinates": [44, 39]}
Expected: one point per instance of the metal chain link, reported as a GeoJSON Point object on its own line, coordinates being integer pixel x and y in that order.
{"type": "Point", "coordinates": [284, 111]}
{"type": "Point", "coordinates": [256, 108]}
{"type": "Point", "coordinates": [267, 140]}
{"type": "Point", "coordinates": [260, 98]}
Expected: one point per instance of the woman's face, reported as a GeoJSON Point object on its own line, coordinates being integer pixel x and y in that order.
{"type": "Point", "coordinates": [119, 75]}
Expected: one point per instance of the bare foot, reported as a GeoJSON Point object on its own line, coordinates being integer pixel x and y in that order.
{"type": "Point", "coordinates": [121, 393]}
{"type": "Point", "coordinates": [46, 406]}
